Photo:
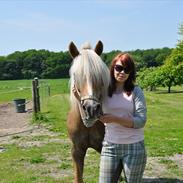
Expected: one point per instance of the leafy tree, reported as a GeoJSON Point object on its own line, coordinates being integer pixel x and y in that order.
{"type": "Point", "coordinates": [176, 56]}
{"type": "Point", "coordinates": [10, 70]}
{"type": "Point", "coordinates": [109, 56]}
{"type": "Point", "coordinates": [171, 76]}
{"type": "Point", "coordinates": [172, 71]}
{"type": "Point", "coordinates": [148, 78]}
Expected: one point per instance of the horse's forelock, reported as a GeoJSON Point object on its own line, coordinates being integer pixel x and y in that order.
{"type": "Point", "coordinates": [86, 45]}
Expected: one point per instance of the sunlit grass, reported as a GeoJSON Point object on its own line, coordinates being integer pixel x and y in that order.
{"type": "Point", "coordinates": [163, 137]}
{"type": "Point", "coordinates": [12, 89]}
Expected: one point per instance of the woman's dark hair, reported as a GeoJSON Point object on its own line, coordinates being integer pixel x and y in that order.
{"type": "Point", "coordinates": [126, 61]}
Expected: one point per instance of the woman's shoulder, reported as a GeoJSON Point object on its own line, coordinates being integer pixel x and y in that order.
{"type": "Point", "coordinates": [137, 90]}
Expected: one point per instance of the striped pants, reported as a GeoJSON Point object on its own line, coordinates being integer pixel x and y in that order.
{"type": "Point", "coordinates": [130, 157]}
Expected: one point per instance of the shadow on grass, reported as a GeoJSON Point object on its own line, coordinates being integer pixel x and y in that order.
{"type": "Point", "coordinates": [161, 180]}
{"type": "Point", "coordinates": [166, 92]}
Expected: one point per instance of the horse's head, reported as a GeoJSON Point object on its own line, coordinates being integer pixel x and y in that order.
{"type": "Point", "coordinates": [90, 76]}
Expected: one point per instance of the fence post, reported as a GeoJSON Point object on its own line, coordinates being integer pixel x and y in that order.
{"type": "Point", "coordinates": [35, 95]}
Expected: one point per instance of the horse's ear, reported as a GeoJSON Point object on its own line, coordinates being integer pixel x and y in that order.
{"type": "Point", "coordinates": [99, 48]}
{"type": "Point", "coordinates": [73, 50]}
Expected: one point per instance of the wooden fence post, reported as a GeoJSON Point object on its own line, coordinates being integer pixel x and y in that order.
{"type": "Point", "coordinates": [35, 95]}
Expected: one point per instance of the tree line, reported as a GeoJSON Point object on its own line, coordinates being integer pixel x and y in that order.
{"type": "Point", "coordinates": [45, 64]}
{"type": "Point", "coordinates": [155, 67]}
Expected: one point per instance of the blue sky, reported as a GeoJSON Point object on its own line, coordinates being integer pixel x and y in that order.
{"type": "Point", "coordinates": [121, 24]}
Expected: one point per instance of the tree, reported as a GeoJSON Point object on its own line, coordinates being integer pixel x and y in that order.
{"type": "Point", "coordinates": [176, 56]}
{"type": "Point", "coordinates": [148, 78]}
{"type": "Point", "coordinates": [170, 75]}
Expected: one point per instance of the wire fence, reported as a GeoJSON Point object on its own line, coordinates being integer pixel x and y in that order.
{"type": "Point", "coordinates": [24, 102]}
{"type": "Point", "coordinates": [27, 93]}
{"type": "Point", "coordinates": [17, 90]}
{"type": "Point", "coordinates": [45, 93]}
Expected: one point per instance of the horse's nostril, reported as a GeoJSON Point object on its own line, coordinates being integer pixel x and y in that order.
{"type": "Point", "coordinates": [84, 108]}
{"type": "Point", "coordinates": [91, 108]}
{"type": "Point", "coordinates": [97, 107]}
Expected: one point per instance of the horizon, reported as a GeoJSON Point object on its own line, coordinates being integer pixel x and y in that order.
{"type": "Point", "coordinates": [67, 50]}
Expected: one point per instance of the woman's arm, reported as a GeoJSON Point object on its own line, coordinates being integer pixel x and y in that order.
{"type": "Point", "coordinates": [138, 119]}
{"type": "Point", "coordinates": [140, 110]}
{"type": "Point", "coordinates": [124, 121]}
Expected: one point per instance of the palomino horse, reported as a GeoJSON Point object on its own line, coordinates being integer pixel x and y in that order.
{"type": "Point", "coordinates": [90, 76]}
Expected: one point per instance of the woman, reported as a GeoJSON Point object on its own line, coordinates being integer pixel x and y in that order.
{"type": "Point", "coordinates": [124, 118]}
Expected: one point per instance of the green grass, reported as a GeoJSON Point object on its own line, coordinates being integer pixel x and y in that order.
{"type": "Point", "coordinates": [31, 164]}
{"type": "Point", "coordinates": [163, 137]}
{"type": "Point", "coordinates": [13, 89]}
{"type": "Point", "coordinates": [10, 90]}
{"type": "Point", "coordinates": [163, 131]}
{"type": "Point", "coordinates": [55, 113]}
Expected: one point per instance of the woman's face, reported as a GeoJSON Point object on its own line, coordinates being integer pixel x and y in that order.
{"type": "Point", "coordinates": [119, 73]}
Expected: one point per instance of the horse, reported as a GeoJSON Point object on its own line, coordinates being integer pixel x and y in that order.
{"type": "Point", "coordinates": [90, 75]}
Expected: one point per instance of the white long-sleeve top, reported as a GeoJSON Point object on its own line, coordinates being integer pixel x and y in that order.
{"type": "Point", "coordinates": [123, 105]}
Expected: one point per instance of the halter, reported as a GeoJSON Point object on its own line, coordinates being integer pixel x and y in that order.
{"type": "Point", "coordinates": [89, 97]}
{"type": "Point", "coordinates": [87, 122]}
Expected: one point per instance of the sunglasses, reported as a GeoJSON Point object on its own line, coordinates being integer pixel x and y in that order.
{"type": "Point", "coordinates": [120, 68]}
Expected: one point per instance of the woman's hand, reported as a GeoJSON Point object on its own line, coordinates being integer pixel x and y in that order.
{"type": "Point", "coordinates": [76, 93]}
{"type": "Point", "coordinates": [107, 118]}
{"type": "Point", "coordinates": [126, 121]}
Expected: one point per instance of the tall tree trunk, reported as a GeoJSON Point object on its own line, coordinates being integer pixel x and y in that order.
{"type": "Point", "coordinates": [169, 89]}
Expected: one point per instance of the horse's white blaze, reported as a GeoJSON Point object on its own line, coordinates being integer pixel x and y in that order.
{"type": "Point", "coordinates": [89, 87]}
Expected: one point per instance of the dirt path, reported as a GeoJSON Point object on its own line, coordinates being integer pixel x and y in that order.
{"type": "Point", "coordinates": [12, 122]}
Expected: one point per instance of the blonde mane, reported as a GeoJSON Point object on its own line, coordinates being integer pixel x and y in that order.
{"type": "Point", "coordinates": [89, 67]}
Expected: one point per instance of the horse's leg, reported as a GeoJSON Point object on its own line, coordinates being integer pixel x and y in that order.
{"type": "Point", "coordinates": [78, 155]}
{"type": "Point", "coordinates": [96, 136]}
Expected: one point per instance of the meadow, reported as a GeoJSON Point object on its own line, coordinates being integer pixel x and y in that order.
{"type": "Point", "coordinates": [11, 89]}
{"type": "Point", "coordinates": [51, 162]}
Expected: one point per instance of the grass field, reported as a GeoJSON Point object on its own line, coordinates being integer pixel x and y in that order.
{"type": "Point", "coordinates": [12, 89]}
{"type": "Point", "coordinates": [164, 129]}
{"type": "Point", "coordinates": [51, 162]}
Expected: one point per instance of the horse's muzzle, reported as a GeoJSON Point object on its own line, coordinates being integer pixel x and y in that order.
{"type": "Point", "coordinates": [92, 110]}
